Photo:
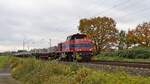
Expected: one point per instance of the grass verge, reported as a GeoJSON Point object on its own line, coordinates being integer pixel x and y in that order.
{"type": "Point", "coordinates": [32, 71]}
{"type": "Point", "coordinates": [3, 61]}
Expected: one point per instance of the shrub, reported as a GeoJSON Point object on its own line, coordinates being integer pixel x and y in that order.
{"type": "Point", "coordinates": [134, 53]}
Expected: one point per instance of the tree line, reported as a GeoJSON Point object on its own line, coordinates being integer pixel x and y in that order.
{"type": "Point", "coordinates": [106, 37]}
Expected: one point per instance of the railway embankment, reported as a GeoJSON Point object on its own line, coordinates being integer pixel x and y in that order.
{"type": "Point", "coordinates": [32, 71]}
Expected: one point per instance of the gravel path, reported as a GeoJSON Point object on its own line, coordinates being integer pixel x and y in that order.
{"type": "Point", "coordinates": [5, 76]}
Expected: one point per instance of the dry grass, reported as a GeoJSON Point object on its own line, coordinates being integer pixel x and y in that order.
{"type": "Point", "coordinates": [3, 61]}
{"type": "Point", "coordinates": [32, 71]}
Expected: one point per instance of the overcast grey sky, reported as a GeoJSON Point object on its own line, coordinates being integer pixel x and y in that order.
{"type": "Point", "coordinates": [36, 21]}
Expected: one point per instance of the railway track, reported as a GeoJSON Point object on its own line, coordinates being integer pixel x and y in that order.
{"type": "Point", "coordinates": [132, 68]}
{"type": "Point", "coordinates": [145, 65]}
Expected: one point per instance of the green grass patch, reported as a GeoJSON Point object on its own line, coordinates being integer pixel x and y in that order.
{"type": "Point", "coordinates": [32, 71]}
{"type": "Point", "coordinates": [3, 61]}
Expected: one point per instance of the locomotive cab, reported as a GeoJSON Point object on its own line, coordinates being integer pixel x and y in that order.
{"type": "Point", "coordinates": [77, 46]}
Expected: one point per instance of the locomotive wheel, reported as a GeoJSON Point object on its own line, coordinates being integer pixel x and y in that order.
{"type": "Point", "coordinates": [69, 57]}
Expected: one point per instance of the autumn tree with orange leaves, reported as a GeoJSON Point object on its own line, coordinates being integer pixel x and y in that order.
{"type": "Point", "coordinates": [140, 35]}
{"type": "Point", "coordinates": [102, 30]}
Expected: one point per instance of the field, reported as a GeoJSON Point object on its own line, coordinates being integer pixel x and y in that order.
{"type": "Point", "coordinates": [32, 71]}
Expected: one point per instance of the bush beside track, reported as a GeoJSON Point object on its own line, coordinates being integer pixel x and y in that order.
{"type": "Point", "coordinates": [134, 54]}
{"type": "Point", "coordinates": [32, 71]}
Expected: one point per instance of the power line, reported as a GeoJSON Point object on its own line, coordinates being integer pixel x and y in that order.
{"type": "Point", "coordinates": [119, 5]}
{"type": "Point", "coordinates": [23, 44]}
{"type": "Point", "coordinates": [136, 12]}
{"type": "Point", "coordinates": [114, 6]}
{"type": "Point", "coordinates": [143, 10]}
{"type": "Point", "coordinates": [50, 44]}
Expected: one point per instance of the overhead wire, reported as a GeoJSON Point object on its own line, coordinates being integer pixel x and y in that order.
{"type": "Point", "coordinates": [147, 9]}
{"type": "Point", "coordinates": [127, 4]}
{"type": "Point", "coordinates": [114, 6]}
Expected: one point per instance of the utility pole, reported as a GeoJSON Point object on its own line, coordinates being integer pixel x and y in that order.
{"type": "Point", "coordinates": [23, 44]}
{"type": "Point", "coordinates": [28, 46]}
{"type": "Point", "coordinates": [49, 45]}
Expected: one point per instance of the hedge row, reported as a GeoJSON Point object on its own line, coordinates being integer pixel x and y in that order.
{"type": "Point", "coordinates": [134, 53]}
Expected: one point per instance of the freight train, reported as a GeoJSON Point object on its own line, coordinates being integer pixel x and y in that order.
{"type": "Point", "coordinates": [76, 47]}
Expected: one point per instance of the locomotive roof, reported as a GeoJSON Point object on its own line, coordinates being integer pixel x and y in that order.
{"type": "Point", "coordinates": [78, 34]}
{"type": "Point", "coordinates": [74, 35]}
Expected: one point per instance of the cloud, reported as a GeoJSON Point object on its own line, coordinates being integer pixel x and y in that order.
{"type": "Point", "coordinates": [34, 20]}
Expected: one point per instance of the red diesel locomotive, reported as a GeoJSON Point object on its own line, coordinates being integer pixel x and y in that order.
{"type": "Point", "coordinates": [76, 47]}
